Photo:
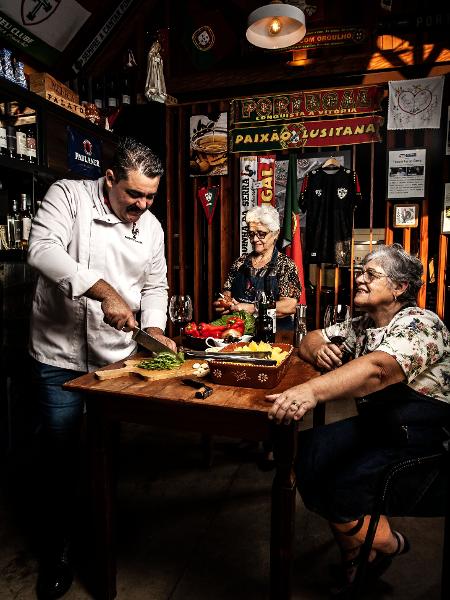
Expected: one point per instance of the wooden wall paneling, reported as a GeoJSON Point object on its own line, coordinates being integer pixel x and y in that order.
{"type": "Point", "coordinates": [170, 197]}
{"type": "Point", "coordinates": [181, 193]}
{"type": "Point", "coordinates": [372, 168]}
{"type": "Point", "coordinates": [228, 220]}
{"type": "Point", "coordinates": [441, 283]}
{"type": "Point", "coordinates": [423, 223]}
{"type": "Point", "coordinates": [197, 237]}
{"type": "Point", "coordinates": [319, 272]}
{"type": "Point", "coordinates": [211, 259]}
{"type": "Point", "coordinates": [336, 285]}
{"type": "Point", "coordinates": [407, 239]}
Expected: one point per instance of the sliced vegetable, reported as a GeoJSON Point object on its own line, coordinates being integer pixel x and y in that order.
{"type": "Point", "coordinates": [162, 361]}
{"type": "Point", "coordinates": [249, 321]}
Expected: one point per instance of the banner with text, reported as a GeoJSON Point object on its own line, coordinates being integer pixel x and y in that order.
{"type": "Point", "coordinates": [284, 136]}
{"type": "Point", "coordinates": [257, 182]}
{"type": "Point", "coordinates": [313, 103]}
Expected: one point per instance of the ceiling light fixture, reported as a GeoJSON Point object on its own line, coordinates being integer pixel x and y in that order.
{"type": "Point", "coordinates": [276, 25]}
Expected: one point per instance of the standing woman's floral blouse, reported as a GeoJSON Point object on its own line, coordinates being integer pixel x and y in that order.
{"type": "Point", "coordinates": [417, 339]}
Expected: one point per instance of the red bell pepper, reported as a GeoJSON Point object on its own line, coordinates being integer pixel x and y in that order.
{"type": "Point", "coordinates": [207, 330]}
{"type": "Point", "coordinates": [191, 329]}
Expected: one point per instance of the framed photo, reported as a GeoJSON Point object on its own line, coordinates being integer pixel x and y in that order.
{"type": "Point", "coordinates": [406, 173]}
{"type": "Point", "coordinates": [446, 211]}
{"type": "Point", "coordinates": [406, 215]}
{"type": "Point", "coordinates": [447, 144]}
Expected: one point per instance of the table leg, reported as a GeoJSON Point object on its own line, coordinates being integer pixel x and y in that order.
{"type": "Point", "coordinates": [100, 439]}
{"type": "Point", "coordinates": [283, 511]}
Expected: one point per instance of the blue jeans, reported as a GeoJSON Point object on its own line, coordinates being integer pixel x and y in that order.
{"type": "Point", "coordinates": [60, 413]}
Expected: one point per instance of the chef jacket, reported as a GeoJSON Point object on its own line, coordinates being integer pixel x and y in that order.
{"type": "Point", "coordinates": [76, 240]}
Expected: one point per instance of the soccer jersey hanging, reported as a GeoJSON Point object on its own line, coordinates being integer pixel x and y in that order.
{"type": "Point", "coordinates": [329, 199]}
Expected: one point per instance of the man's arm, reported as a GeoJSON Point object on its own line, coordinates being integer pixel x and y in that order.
{"type": "Point", "coordinates": [116, 311]}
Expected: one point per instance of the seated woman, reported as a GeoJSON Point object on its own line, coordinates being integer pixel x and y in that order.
{"type": "Point", "coordinates": [401, 372]}
{"type": "Point", "coordinates": [264, 269]}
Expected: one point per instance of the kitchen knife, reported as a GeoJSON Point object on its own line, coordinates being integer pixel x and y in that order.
{"type": "Point", "coordinates": [205, 354]}
{"type": "Point", "coordinates": [149, 342]}
{"type": "Point", "coordinates": [219, 357]}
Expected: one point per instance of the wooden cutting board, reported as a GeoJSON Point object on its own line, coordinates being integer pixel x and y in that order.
{"type": "Point", "coordinates": [130, 369]}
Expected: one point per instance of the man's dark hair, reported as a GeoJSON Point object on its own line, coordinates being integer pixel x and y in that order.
{"type": "Point", "coordinates": [131, 155]}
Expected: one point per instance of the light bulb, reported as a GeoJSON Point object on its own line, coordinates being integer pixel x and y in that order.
{"type": "Point", "coordinates": [274, 26]}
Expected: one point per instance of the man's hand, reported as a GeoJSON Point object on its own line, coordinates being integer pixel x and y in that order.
{"type": "Point", "coordinates": [116, 311]}
{"type": "Point", "coordinates": [159, 335]}
{"type": "Point", "coordinates": [292, 404]}
{"type": "Point", "coordinates": [328, 357]}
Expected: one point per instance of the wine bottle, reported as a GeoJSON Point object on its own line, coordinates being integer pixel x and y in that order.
{"type": "Point", "coordinates": [264, 324]}
{"type": "Point", "coordinates": [271, 305]}
{"type": "Point", "coordinates": [99, 94]}
{"type": "Point", "coordinates": [125, 92]}
{"type": "Point", "coordinates": [21, 143]}
{"type": "Point", "coordinates": [13, 227]}
{"type": "Point", "coordinates": [3, 139]}
{"type": "Point", "coordinates": [31, 142]}
{"type": "Point", "coordinates": [112, 96]}
{"type": "Point", "coordinates": [25, 221]}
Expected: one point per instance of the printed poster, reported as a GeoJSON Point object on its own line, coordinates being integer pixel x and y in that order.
{"type": "Point", "coordinates": [208, 145]}
{"type": "Point", "coordinates": [406, 174]}
{"type": "Point", "coordinates": [446, 215]}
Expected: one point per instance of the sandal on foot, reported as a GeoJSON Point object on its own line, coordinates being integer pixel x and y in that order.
{"type": "Point", "coordinates": [383, 561]}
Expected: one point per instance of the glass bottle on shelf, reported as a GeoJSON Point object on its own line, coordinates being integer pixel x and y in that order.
{"type": "Point", "coordinates": [11, 140]}
{"type": "Point", "coordinates": [25, 221]}
{"type": "Point", "coordinates": [125, 91]}
{"type": "Point", "coordinates": [31, 142]}
{"type": "Point", "coordinates": [99, 94]}
{"type": "Point", "coordinates": [3, 139]}
{"type": "Point", "coordinates": [112, 95]}
{"type": "Point", "coordinates": [21, 143]}
{"type": "Point", "coordinates": [13, 223]}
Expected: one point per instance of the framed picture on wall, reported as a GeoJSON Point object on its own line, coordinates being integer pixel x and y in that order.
{"type": "Point", "coordinates": [406, 173]}
{"type": "Point", "coordinates": [406, 215]}
{"type": "Point", "coordinates": [446, 211]}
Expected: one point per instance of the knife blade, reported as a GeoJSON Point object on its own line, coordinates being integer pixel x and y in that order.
{"type": "Point", "coordinates": [206, 354]}
{"type": "Point", "coordinates": [267, 362]}
{"type": "Point", "coordinates": [149, 342]}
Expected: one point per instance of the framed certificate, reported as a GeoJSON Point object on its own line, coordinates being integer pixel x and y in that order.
{"type": "Point", "coordinates": [406, 215]}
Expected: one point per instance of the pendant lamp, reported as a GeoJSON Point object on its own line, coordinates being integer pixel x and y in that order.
{"type": "Point", "coordinates": [276, 25]}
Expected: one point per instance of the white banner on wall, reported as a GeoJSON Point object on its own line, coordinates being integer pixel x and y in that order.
{"type": "Point", "coordinates": [248, 197]}
{"type": "Point", "coordinates": [406, 175]}
{"type": "Point", "coordinates": [446, 215]}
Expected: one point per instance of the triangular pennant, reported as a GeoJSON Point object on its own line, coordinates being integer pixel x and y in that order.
{"type": "Point", "coordinates": [209, 197]}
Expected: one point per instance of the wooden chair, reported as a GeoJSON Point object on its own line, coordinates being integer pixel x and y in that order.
{"type": "Point", "coordinates": [435, 502]}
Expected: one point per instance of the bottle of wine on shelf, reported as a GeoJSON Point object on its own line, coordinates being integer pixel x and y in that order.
{"type": "Point", "coordinates": [112, 97]}
{"type": "Point", "coordinates": [21, 143]}
{"type": "Point", "coordinates": [125, 90]}
{"type": "Point", "coordinates": [25, 221]}
{"type": "Point", "coordinates": [99, 94]}
{"type": "Point", "coordinates": [13, 226]}
{"type": "Point", "coordinates": [3, 139]}
{"type": "Point", "coordinates": [31, 142]}
{"type": "Point", "coordinates": [11, 140]}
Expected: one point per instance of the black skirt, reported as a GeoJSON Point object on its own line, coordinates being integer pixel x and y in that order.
{"type": "Point", "coordinates": [339, 466]}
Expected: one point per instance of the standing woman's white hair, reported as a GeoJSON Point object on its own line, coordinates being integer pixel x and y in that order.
{"type": "Point", "coordinates": [265, 214]}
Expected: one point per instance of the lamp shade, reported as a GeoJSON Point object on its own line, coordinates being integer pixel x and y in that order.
{"type": "Point", "coordinates": [276, 25]}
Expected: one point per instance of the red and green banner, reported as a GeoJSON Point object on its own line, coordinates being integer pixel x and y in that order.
{"type": "Point", "coordinates": [284, 136]}
{"type": "Point", "coordinates": [332, 36]}
{"type": "Point", "coordinates": [209, 198]}
{"type": "Point", "coordinates": [266, 180]}
{"type": "Point", "coordinates": [312, 103]}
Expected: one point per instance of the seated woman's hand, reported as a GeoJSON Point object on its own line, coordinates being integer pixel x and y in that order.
{"type": "Point", "coordinates": [292, 404]}
{"type": "Point", "coordinates": [328, 357]}
{"type": "Point", "coordinates": [247, 306]}
{"type": "Point", "coordinates": [224, 304]}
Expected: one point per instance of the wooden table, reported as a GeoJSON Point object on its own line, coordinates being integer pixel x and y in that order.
{"type": "Point", "coordinates": [231, 411]}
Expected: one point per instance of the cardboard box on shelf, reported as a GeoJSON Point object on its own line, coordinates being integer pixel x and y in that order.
{"type": "Point", "coordinates": [43, 83]}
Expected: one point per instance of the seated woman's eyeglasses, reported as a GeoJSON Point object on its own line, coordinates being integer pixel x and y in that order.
{"type": "Point", "coordinates": [368, 275]}
{"type": "Point", "coordinates": [259, 234]}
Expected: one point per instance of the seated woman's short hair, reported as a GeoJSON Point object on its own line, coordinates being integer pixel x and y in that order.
{"type": "Point", "coordinates": [265, 214]}
{"type": "Point", "coordinates": [400, 267]}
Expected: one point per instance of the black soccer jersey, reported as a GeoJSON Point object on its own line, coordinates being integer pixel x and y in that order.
{"type": "Point", "coordinates": [329, 200]}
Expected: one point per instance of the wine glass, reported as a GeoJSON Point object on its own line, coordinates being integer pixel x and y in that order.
{"type": "Point", "coordinates": [180, 311]}
{"type": "Point", "coordinates": [337, 314]}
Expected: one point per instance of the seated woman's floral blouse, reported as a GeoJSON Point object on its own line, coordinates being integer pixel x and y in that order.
{"type": "Point", "coordinates": [417, 339]}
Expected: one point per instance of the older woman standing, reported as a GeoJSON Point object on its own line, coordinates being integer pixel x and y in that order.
{"type": "Point", "coordinates": [264, 269]}
{"type": "Point", "coordinates": [401, 372]}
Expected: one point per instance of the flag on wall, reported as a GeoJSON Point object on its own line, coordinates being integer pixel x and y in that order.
{"type": "Point", "coordinates": [292, 244]}
{"type": "Point", "coordinates": [209, 197]}
{"type": "Point", "coordinates": [415, 103]}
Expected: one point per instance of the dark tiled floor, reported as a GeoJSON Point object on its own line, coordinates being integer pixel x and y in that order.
{"type": "Point", "coordinates": [186, 532]}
